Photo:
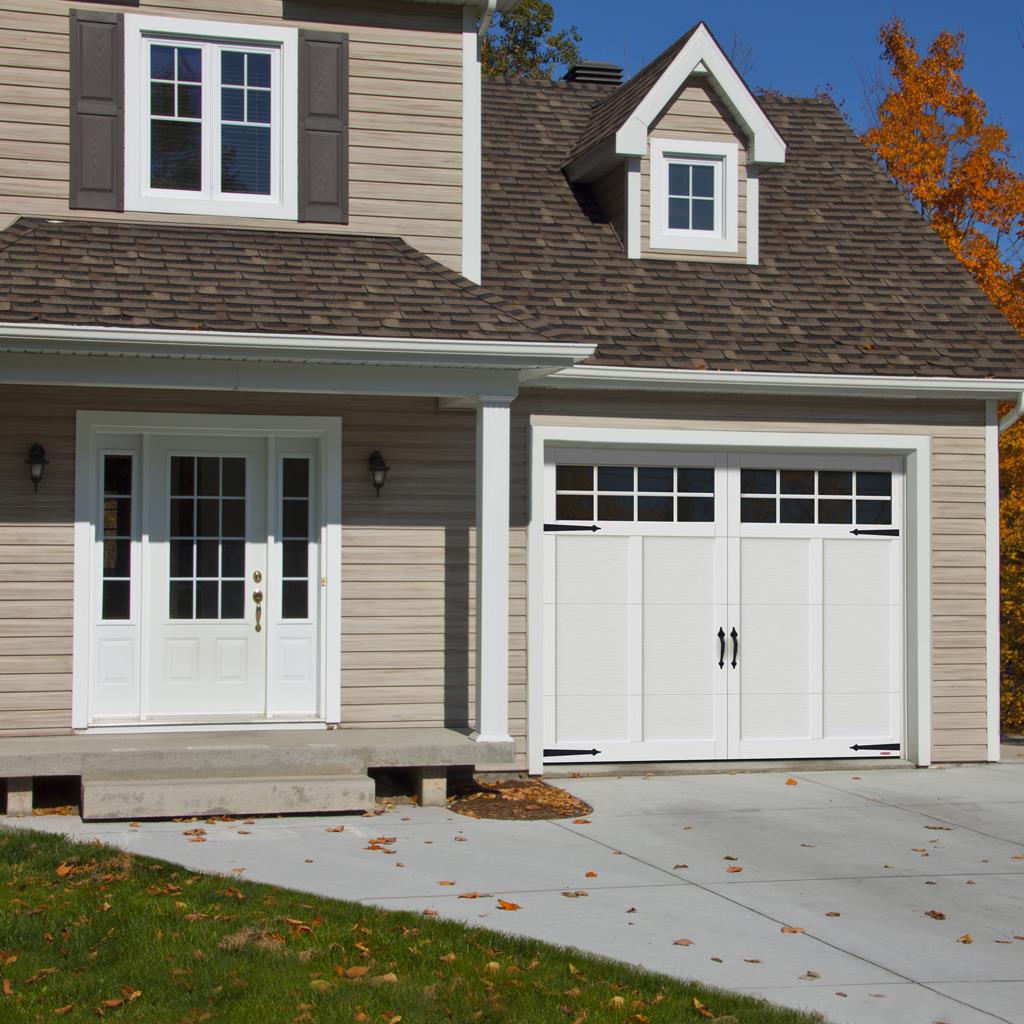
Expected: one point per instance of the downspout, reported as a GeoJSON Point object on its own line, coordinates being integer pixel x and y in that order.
{"type": "Point", "coordinates": [1013, 415]}
{"type": "Point", "coordinates": [487, 9]}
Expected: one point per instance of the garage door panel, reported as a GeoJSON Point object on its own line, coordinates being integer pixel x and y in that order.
{"type": "Point", "coordinates": [592, 570]}
{"type": "Point", "coordinates": [858, 644]}
{"type": "Point", "coordinates": [592, 655]}
{"type": "Point", "coordinates": [861, 717]}
{"type": "Point", "coordinates": [680, 649]}
{"type": "Point", "coordinates": [774, 571]}
{"type": "Point", "coordinates": [679, 570]}
{"type": "Point", "coordinates": [858, 571]}
{"type": "Point", "coordinates": [774, 716]}
{"type": "Point", "coordinates": [680, 716]}
{"type": "Point", "coordinates": [775, 649]}
{"type": "Point", "coordinates": [591, 719]}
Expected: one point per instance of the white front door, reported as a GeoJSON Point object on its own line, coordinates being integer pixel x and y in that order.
{"type": "Point", "coordinates": [702, 606]}
{"type": "Point", "coordinates": [207, 549]}
{"type": "Point", "coordinates": [211, 586]}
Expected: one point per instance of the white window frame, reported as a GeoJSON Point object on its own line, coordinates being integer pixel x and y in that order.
{"type": "Point", "coordinates": [282, 43]}
{"type": "Point", "coordinates": [724, 157]}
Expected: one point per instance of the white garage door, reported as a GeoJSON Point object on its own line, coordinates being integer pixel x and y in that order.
{"type": "Point", "coordinates": [702, 606]}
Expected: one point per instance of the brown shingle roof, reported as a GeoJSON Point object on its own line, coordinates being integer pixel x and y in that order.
{"type": "Point", "coordinates": [124, 274]}
{"type": "Point", "coordinates": [851, 280]}
{"type": "Point", "coordinates": [612, 111]}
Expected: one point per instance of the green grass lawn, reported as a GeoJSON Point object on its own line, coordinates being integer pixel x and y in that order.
{"type": "Point", "coordinates": [87, 931]}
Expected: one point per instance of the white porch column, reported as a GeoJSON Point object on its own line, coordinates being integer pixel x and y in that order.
{"type": "Point", "coordinates": [492, 525]}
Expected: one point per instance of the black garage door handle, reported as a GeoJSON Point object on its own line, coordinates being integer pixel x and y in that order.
{"type": "Point", "coordinates": [735, 645]}
{"type": "Point", "coordinates": [721, 647]}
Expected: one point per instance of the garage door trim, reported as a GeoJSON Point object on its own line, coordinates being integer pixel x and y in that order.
{"type": "Point", "coordinates": [915, 449]}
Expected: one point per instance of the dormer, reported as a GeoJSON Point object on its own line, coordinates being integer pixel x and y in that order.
{"type": "Point", "coordinates": [673, 156]}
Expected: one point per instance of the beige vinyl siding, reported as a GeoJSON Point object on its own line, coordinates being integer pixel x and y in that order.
{"type": "Point", "coordinates": [957, 432]}
{"type": "Point", "coordinates": [696, 114]}
{"type": "Point", "coordinates": [405, 83]}
{"type": "Point", "coordinates": [408, 558]}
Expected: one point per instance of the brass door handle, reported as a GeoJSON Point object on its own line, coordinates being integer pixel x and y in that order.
{"type": "Point", "coordinates": [257, 596]}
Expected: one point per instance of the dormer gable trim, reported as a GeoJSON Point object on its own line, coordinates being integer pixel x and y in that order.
{"type": "Point", "coordinates": [702, 55]}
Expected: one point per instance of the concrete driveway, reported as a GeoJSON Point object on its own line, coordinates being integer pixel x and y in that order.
{"type": "Point", "coordinates": [856, 859]}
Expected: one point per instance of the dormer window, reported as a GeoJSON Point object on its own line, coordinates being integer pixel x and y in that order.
{"type": "Point", "coordinates": [694, 196]}
{"type": "Point", "coordinates": [211, 118]}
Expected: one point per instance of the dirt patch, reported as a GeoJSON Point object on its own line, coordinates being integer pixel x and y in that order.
{"type": "Point", "coordinates": [516, 800]}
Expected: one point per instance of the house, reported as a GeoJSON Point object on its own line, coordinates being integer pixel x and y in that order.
{"type": "Point", "coordinates": [359, 411]}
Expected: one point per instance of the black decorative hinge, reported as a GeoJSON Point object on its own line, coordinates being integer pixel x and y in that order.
{"type": "Point", "coordinates": [560, 528]}
{"type": "Point", "coordinates": [875, 746]}
{"type": "Point", "coordinates": [571, 753]}
{"type": "Point", "coordinates": [875, 533]}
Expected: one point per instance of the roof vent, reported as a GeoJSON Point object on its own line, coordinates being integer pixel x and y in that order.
{"type": "Point", "coordinates": [595, 72]}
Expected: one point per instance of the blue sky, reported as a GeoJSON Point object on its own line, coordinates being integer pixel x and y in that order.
{"type": "Point", "coordinates": [799, 46]}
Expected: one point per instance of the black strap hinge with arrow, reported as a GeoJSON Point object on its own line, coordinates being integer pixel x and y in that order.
{"type": "Point", "coordinates": [571, 753]}
{"type": "Point", "coordinates": [564, 528]}
{"type": "Point", "coordinates": [875, 533]}
{"type": "Point", "coordinates": [875, 746]}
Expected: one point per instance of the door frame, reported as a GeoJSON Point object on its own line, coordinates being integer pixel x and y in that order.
{"type": "Point", "coordinates": [915, 449]}
{"type": "Point", "coordinates": [325, 430]}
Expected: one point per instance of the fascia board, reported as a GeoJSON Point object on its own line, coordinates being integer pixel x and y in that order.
{"type": "Point", "coordinates": [838, 385]}
{"type": "Point", "coordinates": [766, 145]}
{"type": "Point", "coordinates": [75, 340]}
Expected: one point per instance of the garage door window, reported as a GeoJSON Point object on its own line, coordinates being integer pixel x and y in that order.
{"type": "Point", "coordinates": [829, 497]}
{"type": "Point", "coordinates": [631, 494]}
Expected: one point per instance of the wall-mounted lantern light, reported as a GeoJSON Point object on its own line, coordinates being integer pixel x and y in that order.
{"type": "Point", "coordinates": [37, 462]}
{"type": "Point", "coordinates": [379, 470]}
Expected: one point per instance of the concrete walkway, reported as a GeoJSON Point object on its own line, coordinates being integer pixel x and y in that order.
{"type": "Point", "coordinates": [855, 859]}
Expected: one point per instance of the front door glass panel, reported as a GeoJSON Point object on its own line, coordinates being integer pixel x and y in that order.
{"type": "Point", "coordinates": [207, 537]}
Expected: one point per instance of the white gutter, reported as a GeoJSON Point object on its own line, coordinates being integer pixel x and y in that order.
{"type": "Point", "coordinates": [1013, 415]}
{"type": "Point", "coordinates": [743, 382]}
{"type": "Point", "coordinates": [63, 339]}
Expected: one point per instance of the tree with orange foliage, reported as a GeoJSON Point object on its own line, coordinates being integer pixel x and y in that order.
{"type": "Point", "coordinates": [934, 139]}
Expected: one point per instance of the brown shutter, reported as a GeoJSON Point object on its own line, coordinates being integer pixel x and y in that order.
{"type": "Point", "coordinates": [323, 127]}
{"type": "Point", "coordinates": [97, 110]}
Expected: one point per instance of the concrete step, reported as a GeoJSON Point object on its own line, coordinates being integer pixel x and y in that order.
{"type": "Point", "coordinates": [178, 797]}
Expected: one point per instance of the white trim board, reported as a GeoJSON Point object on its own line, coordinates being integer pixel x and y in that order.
{"type": "Point", "coordinates": [702, 54]}
{"type": "Point", "coordinates": [915, 449]}
{"type": "Point", "coordinates": [325, 430]}
{"type": "Point", "coordinates": [472, 151]}
{"type": "Point", "coordinates": [992, 580]}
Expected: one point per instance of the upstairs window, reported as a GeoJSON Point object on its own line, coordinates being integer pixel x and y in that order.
{"type": "Point", "coordinates": [694, 196]}
{"type": "Point", "coordinates": [211, 127]}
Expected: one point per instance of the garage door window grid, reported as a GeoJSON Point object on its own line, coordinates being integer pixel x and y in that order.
{"type": "Point", "coordinates": [832, 497]}
{"type": "Point", "coordinates": [644, 494]}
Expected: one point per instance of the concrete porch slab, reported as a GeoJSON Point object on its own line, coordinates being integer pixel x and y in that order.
{"type": "Point", "coordinates": [269, 752]}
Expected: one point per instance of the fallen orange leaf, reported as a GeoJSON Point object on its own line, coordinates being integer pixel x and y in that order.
{"type": "Point", "coordinates": [445, 883]}
{"type": "Point", "coordinates": [936, 915]}
{"type": "Point", "coordinates": [792, 931]}
{"type": "Point", "coordinates": [702, 1009]}
{"type": "Point", "coordinates": [335, 828]}
{"type": "Point", "coordinates": [734, 869]}
{"type": "Point", "coordinates": [505, 905]}
{"type": "Point", "coordinates": [581, 821]}
{"type": "Point", "coordinates": [966, 939]}
{"type": "Point", "coordinates": [8, 989]}
{"type": "Point", "coordinates": [791, 782]}
{"type": "Point", "coordinates": [591, 874]}
{"type": "Point", "coordinates": [683, 942]}
{"type": "Point", "coordinates": [62, 1010]}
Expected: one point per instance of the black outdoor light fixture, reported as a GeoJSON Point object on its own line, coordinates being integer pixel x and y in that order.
{"type": "Point", "coordinates": [379, 470]}
{"type": "Point", "coordinates": [37, 462]}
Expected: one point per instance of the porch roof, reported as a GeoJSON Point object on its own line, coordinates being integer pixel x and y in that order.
{"type": "Point", "coordinates": [183, 278]}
